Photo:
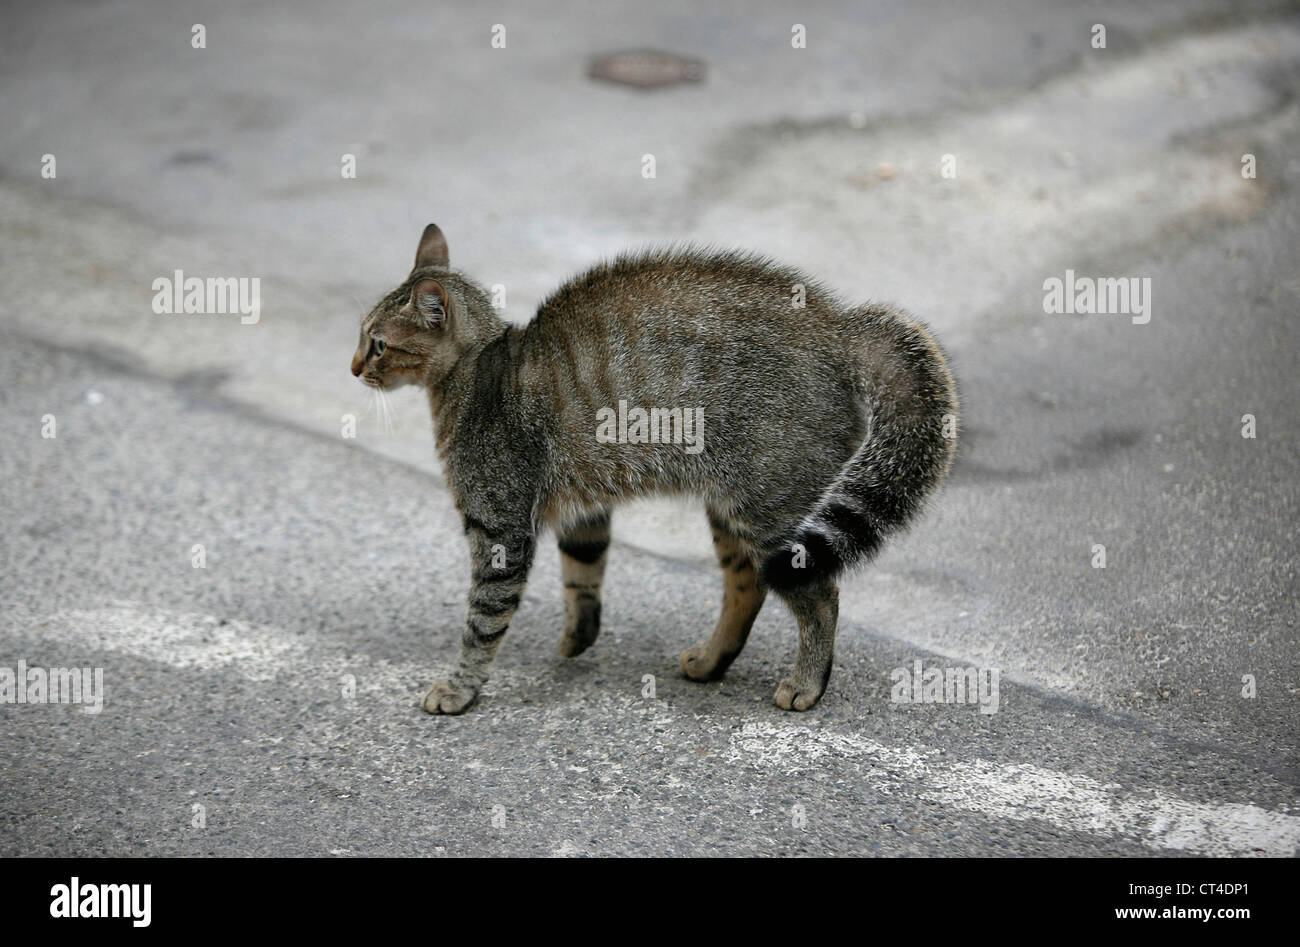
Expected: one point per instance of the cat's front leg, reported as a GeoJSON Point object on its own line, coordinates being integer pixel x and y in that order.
{"type": "Point", "coordinates": [500, 558]}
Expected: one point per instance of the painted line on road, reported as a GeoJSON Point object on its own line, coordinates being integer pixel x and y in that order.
{"type": "Point", "coordinates": [1024, 792]}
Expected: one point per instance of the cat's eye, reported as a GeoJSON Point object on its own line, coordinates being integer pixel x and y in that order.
{"type": "Point", "coordinates": [380, 345]}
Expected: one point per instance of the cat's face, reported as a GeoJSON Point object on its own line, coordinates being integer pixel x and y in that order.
{"type": "Point", "coordinates": [403, 337]}
{"type": "Point", "coordinates": [409, 336]}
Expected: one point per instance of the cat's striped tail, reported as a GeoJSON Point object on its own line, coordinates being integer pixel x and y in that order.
{"type": "Point", "coordinates": [911, 401]}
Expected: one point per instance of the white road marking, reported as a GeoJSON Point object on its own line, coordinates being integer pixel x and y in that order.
{"type": "Point", "coordinates": [185, 641]}
{"type": "Point", "coordinates": [1025, 792]}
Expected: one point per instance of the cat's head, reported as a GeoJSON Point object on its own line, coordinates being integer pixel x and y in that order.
{"type": "Point", "coordinates": [415, 334]}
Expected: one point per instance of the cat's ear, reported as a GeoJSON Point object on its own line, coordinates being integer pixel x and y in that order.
{"type": "Point", "coordinates": [433, 248]}
{"type": "Point", "coordinates": [429, 301]}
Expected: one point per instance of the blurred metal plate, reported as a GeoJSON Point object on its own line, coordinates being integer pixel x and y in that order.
{"type": "Point", "coordinates": [646, 68]}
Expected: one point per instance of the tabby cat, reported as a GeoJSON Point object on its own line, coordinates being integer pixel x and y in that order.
{"type": "Point", "coordinates": [809, 430]}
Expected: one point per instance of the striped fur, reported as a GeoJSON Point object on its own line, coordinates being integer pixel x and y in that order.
{"type": "Point", "coordinates": [883, 485]}
{"type": "Point", "coordinates": [582, 569]}
{"type": "Point", "coordinates": [824, 427]}
{"type": "Point", "coordinates": [743, 593]}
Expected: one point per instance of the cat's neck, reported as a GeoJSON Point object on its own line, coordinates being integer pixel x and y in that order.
{"type": "Point", "coordinates": [484, 376]}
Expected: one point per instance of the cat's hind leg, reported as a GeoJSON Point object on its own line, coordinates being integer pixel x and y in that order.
{"type": "Point", "coordinates": [743, 593]}
{"type": "Point", "coordinates": [816, 609]}
{"type": "Point", "coordinates": [583, 548]}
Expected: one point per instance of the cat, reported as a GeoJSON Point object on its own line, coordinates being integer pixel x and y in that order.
{"type": "Point", "coordinates": [815, 431]}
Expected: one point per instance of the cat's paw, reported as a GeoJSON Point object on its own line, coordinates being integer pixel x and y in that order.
{"type": "Point", "coordinates": [700, 665]}
{"type": "Point", "coordinates": [448, 698]}
{"type": "Point", "coordinates": [790, 696]}
{"type": "Point", "coordinates": [581, 627]}
{"type": "Point", "coordinates": [577, 640]}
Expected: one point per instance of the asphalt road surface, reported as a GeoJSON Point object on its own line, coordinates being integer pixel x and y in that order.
{"type": "Point", "coordinates": [268, 600]}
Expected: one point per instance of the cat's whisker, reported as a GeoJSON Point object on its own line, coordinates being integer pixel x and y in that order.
{"type": "Point", "coordinates": [369, 404]}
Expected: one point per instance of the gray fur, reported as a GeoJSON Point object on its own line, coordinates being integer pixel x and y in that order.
{"type": "Point", "coordinates": [824, 429]}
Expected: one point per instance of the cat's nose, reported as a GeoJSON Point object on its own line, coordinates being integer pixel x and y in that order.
{"type": "Point", "coordinates": [357, 366]}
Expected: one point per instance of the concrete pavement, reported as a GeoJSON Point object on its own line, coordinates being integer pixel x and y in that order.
{"type": "Point", "coordinates": [335, 566]}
